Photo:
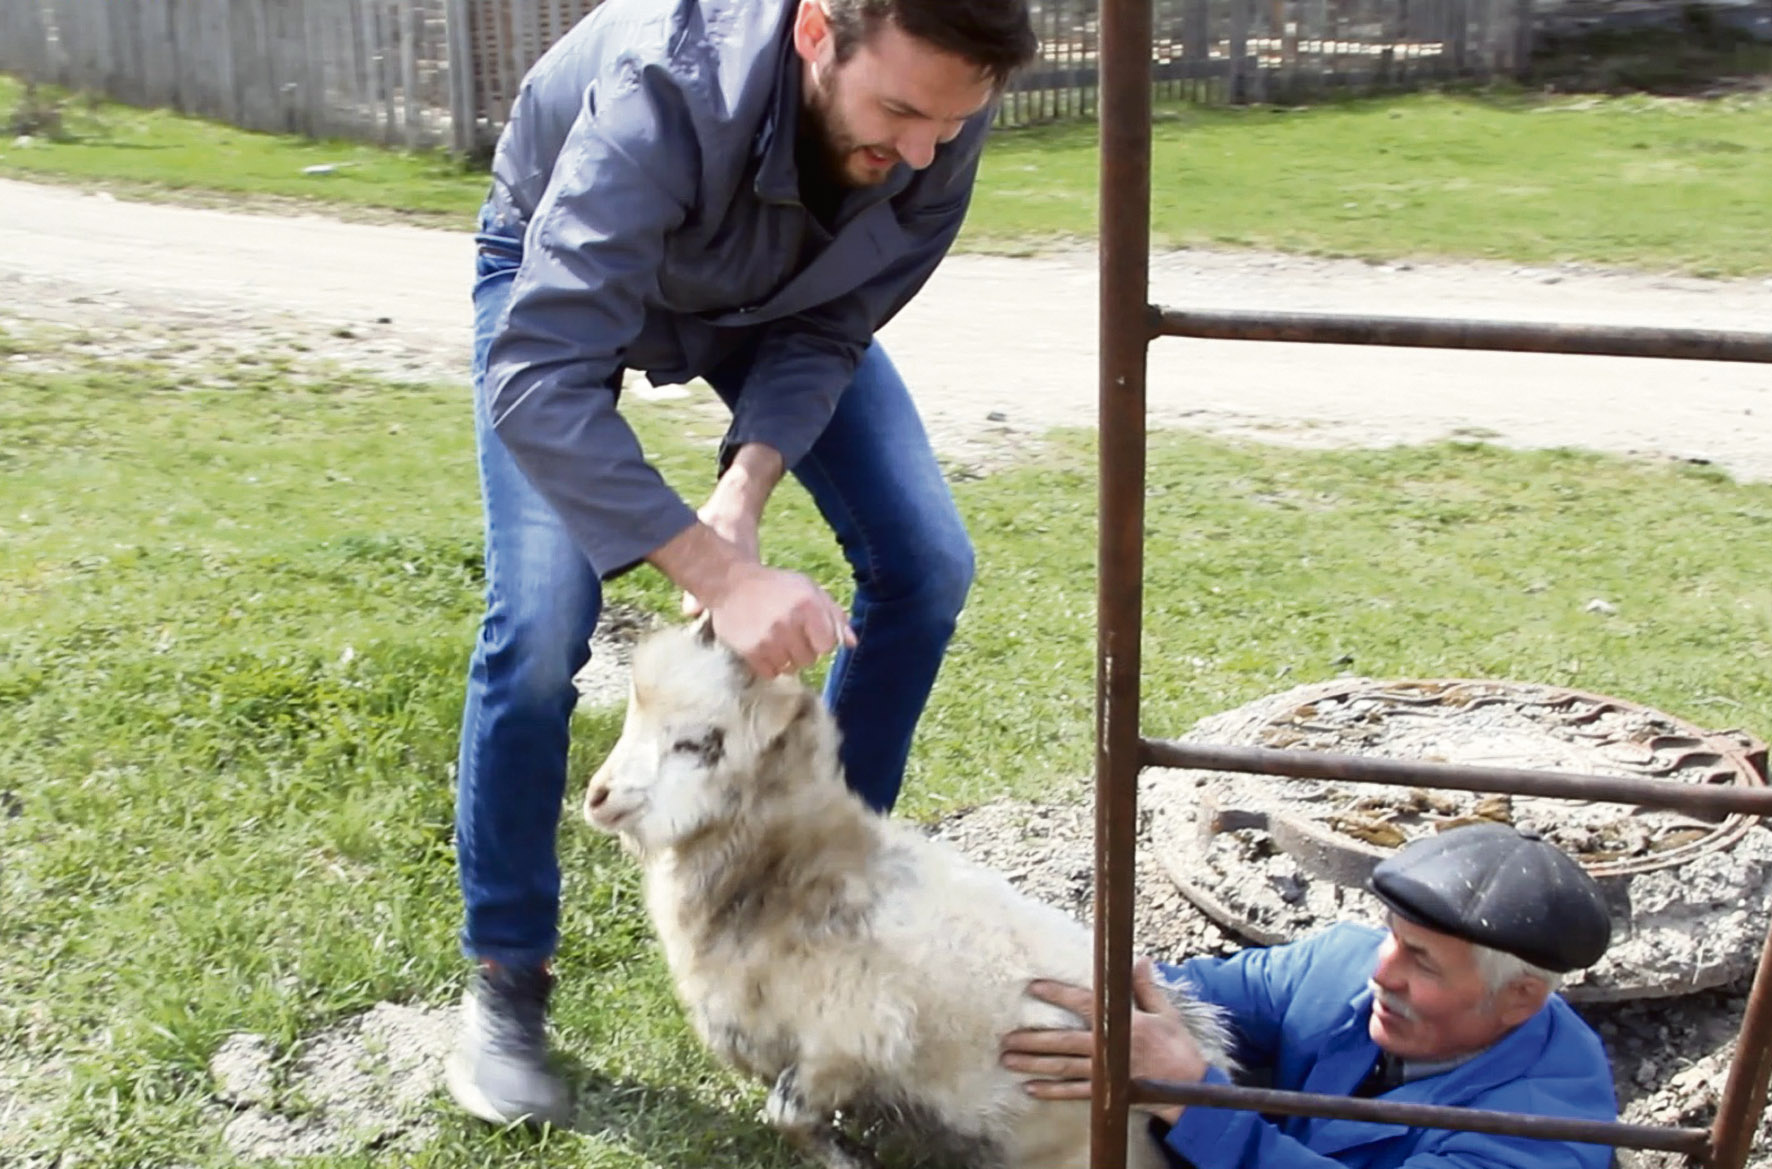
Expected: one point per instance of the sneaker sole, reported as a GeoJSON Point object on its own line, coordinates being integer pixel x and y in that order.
{"type": "Point", "coordinates": [476, 1103]}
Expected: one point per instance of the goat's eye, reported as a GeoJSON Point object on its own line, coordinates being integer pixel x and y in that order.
{"type": "Point", "coordinates": [710, 748]}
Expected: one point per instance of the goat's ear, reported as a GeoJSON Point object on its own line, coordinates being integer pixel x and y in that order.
{"type": "Point", "coordinates": [774, 711]}
{"type": "Point", "coordinates": [704, 629]}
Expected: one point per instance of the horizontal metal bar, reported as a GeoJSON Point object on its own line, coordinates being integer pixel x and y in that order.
{"type": "Point", "coordinates": [1658, 793]}
{"type": "Point", "coordinates": [1448, 333]}
{"type": "Point", "coordinates": [1690, 1141]}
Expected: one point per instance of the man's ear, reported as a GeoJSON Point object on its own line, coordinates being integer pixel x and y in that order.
{"type": "Point", "coordinates": [1520, 999]}
{"type": "Point", "coordinates": [813, 39]}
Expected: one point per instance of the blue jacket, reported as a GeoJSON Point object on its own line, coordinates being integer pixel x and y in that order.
{"type": "Point", "coordinates": [1302, 1010]}
{"type": "Point", "coordinates": [648, 168]}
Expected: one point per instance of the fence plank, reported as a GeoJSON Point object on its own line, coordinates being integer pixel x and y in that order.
{"type": "Point", "coordinates": [387, 68]}
{"type": "Point", "coordinates": [411, 110]}
{"type": "Point", "coordinates": [462, 133]}
{"type": "Point", "coordinates": [24, 42]}
{"type": "Point", "coordinates": [366, 62]}
{"type": "Point", "coordinates": [1237, 49]}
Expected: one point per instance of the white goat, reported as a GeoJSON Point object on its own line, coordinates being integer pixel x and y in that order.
{"type": "Point", "coordinates": [846, 959]}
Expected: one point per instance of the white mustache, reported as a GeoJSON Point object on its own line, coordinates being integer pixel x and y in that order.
{"type": "Point", "coordinates": [1392, 1003]}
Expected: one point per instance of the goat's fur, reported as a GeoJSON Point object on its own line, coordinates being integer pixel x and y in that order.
{"type": "Point", "coordinates": [846, 959]}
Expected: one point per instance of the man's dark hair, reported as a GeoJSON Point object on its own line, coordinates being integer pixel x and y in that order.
{"type": "Point", "coordinates": [996, 35]}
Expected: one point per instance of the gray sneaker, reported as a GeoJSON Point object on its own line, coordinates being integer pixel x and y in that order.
{"type": "Point", "coordinates": [499, 1069]}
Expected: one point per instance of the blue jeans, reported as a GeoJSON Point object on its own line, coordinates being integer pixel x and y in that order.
{"type": "Point", "coordinates": [875, 480]}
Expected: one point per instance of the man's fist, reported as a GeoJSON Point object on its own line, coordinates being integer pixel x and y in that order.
{"type": "Point", "coordinates": [778, 621]}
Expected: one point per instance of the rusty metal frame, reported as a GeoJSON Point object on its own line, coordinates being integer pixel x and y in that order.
{"type": "Point", "coordinates": [1128, 324]}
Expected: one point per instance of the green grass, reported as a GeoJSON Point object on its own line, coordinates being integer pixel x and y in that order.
{"type": "Point", "coordinates": [1629, 181]}
{"type": "Point", "coordinates": [1626, 181]}
{"type": "Point", "coordinates": [161, 154]}
{"type": "Point", "coordinates": [238, 617]}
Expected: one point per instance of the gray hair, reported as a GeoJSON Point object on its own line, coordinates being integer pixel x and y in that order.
{"type": "Point", "coordinates": [1499, 968]}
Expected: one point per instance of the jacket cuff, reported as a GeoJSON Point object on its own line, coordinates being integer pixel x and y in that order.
{"type": "Point", "coordinates": [1203, 1134]}
{"type": "Point", "coordinates": [788, 440]}
{"type": "Point", "coordinates": [613, 555]}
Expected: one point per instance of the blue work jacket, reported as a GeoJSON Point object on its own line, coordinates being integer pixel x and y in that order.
{"type": "Point", "coordinates": [1302, 1010]}
{"type": "Point", "coordinates": [648, 169]}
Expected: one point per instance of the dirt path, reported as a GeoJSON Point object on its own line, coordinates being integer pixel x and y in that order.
{"type": "Point", "coordinates": [996, 348]}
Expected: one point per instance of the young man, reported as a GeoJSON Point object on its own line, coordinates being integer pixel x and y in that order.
{"type": "Point", "coordinates": [743, 191]}
{"type": "Point", "coordinates": [1453, 1006]}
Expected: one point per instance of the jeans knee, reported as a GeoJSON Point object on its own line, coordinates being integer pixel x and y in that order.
{"type": "Point", "coordinates": [945, 579]}
{"type": "Point", "coordinates": [533, 657]}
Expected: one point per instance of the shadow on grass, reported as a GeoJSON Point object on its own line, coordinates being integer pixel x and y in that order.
{"type": "Point", "coordinates": [669, 1125]}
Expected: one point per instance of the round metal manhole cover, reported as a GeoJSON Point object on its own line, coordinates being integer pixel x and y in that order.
{"type": "Point", "coordinates": [1274, 858]}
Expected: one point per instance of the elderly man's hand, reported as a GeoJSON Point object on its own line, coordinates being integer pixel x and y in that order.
{"type": "Point", "coordinates": [1162, 1049]}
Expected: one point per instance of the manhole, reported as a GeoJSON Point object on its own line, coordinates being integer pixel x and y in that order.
{"type": "Point", "coordinates": [1273, 858]}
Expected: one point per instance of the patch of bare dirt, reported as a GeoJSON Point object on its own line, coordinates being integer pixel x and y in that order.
{"type": "Point", "coordinates": [604, 680]}
{"type": "Point", "coordinates": [362, 1085]}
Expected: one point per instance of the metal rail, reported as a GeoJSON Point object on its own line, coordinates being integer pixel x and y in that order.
{"type": "Point", "coordinates": [1691, 1141]}
{"type": "Point", "coordinates": [1442, 333]}
{"type": "Point", "coordinates": [1128, 324]}
{"type": "Point", "coordinates": [1654, 793]}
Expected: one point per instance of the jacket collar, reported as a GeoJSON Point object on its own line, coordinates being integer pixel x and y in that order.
{"type": "Point", "coordinates": [1348, 1054]}
{"type": "Point", "coordinates": [778, 177]}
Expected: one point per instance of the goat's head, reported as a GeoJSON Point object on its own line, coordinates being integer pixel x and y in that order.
{"type": "Point", "coordinates": [696, 741]}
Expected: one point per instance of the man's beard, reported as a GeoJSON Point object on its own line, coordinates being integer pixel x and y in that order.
{"type": "Point", "coordinates": [826, 144]}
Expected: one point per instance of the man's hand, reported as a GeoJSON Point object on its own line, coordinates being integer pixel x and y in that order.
{"type": "Point", "coordinates": [778, 621]}
{"type": "Point", "coordinates": [1162, 1049]}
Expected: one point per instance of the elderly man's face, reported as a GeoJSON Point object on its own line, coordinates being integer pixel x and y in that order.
{"type": "Point", "coordinates": [1430, 1000]}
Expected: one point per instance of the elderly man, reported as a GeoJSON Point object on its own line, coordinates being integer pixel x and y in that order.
{"type": "Point", "coordinates": [1454, 1005]}
{"type": "Point", "coordinates": [743, 191]}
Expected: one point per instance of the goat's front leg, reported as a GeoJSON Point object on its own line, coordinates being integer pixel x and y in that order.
{"type": "Point", "coordinates": [811, 1128]}
{"type": "Point", "coordinates": [788, 1109]}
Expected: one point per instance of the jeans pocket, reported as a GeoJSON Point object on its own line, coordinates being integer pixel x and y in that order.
{"type": "Point", "coordinates": [495, 253]}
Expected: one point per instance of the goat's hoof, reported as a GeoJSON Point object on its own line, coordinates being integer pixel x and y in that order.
{"type": "Point", "coordinates": [786, 1108]}
{"type": "Point", "coordinates": [833, 1149]}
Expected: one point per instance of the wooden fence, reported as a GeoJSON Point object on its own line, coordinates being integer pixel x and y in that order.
{"type": "Point", "coordinates": [372, 70]}
{"type": "Point", "coordinates": [1236, 51]}
{"type": "Point", "coordinates": [386, 70]}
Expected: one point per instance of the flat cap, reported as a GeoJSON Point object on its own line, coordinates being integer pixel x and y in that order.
{"type": "Point", "coordinates": [1500, 887]}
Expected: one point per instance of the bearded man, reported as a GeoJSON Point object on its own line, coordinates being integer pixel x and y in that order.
{"type": "Point", "coordinates": [742, 191]}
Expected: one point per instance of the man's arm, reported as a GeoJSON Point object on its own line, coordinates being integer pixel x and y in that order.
{"type": "Point", "coordinates": [624, 179]}
{"type": "Point", "coordinates": [1256, 986]}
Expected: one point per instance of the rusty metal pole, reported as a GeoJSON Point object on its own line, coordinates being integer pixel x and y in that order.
{"type": "Point", "coordinates": [1126, 328]}
{"type": "Point", "coordinates": [1450, 333]}
{"type": "Point", "coordinates": [1744, 1092]}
